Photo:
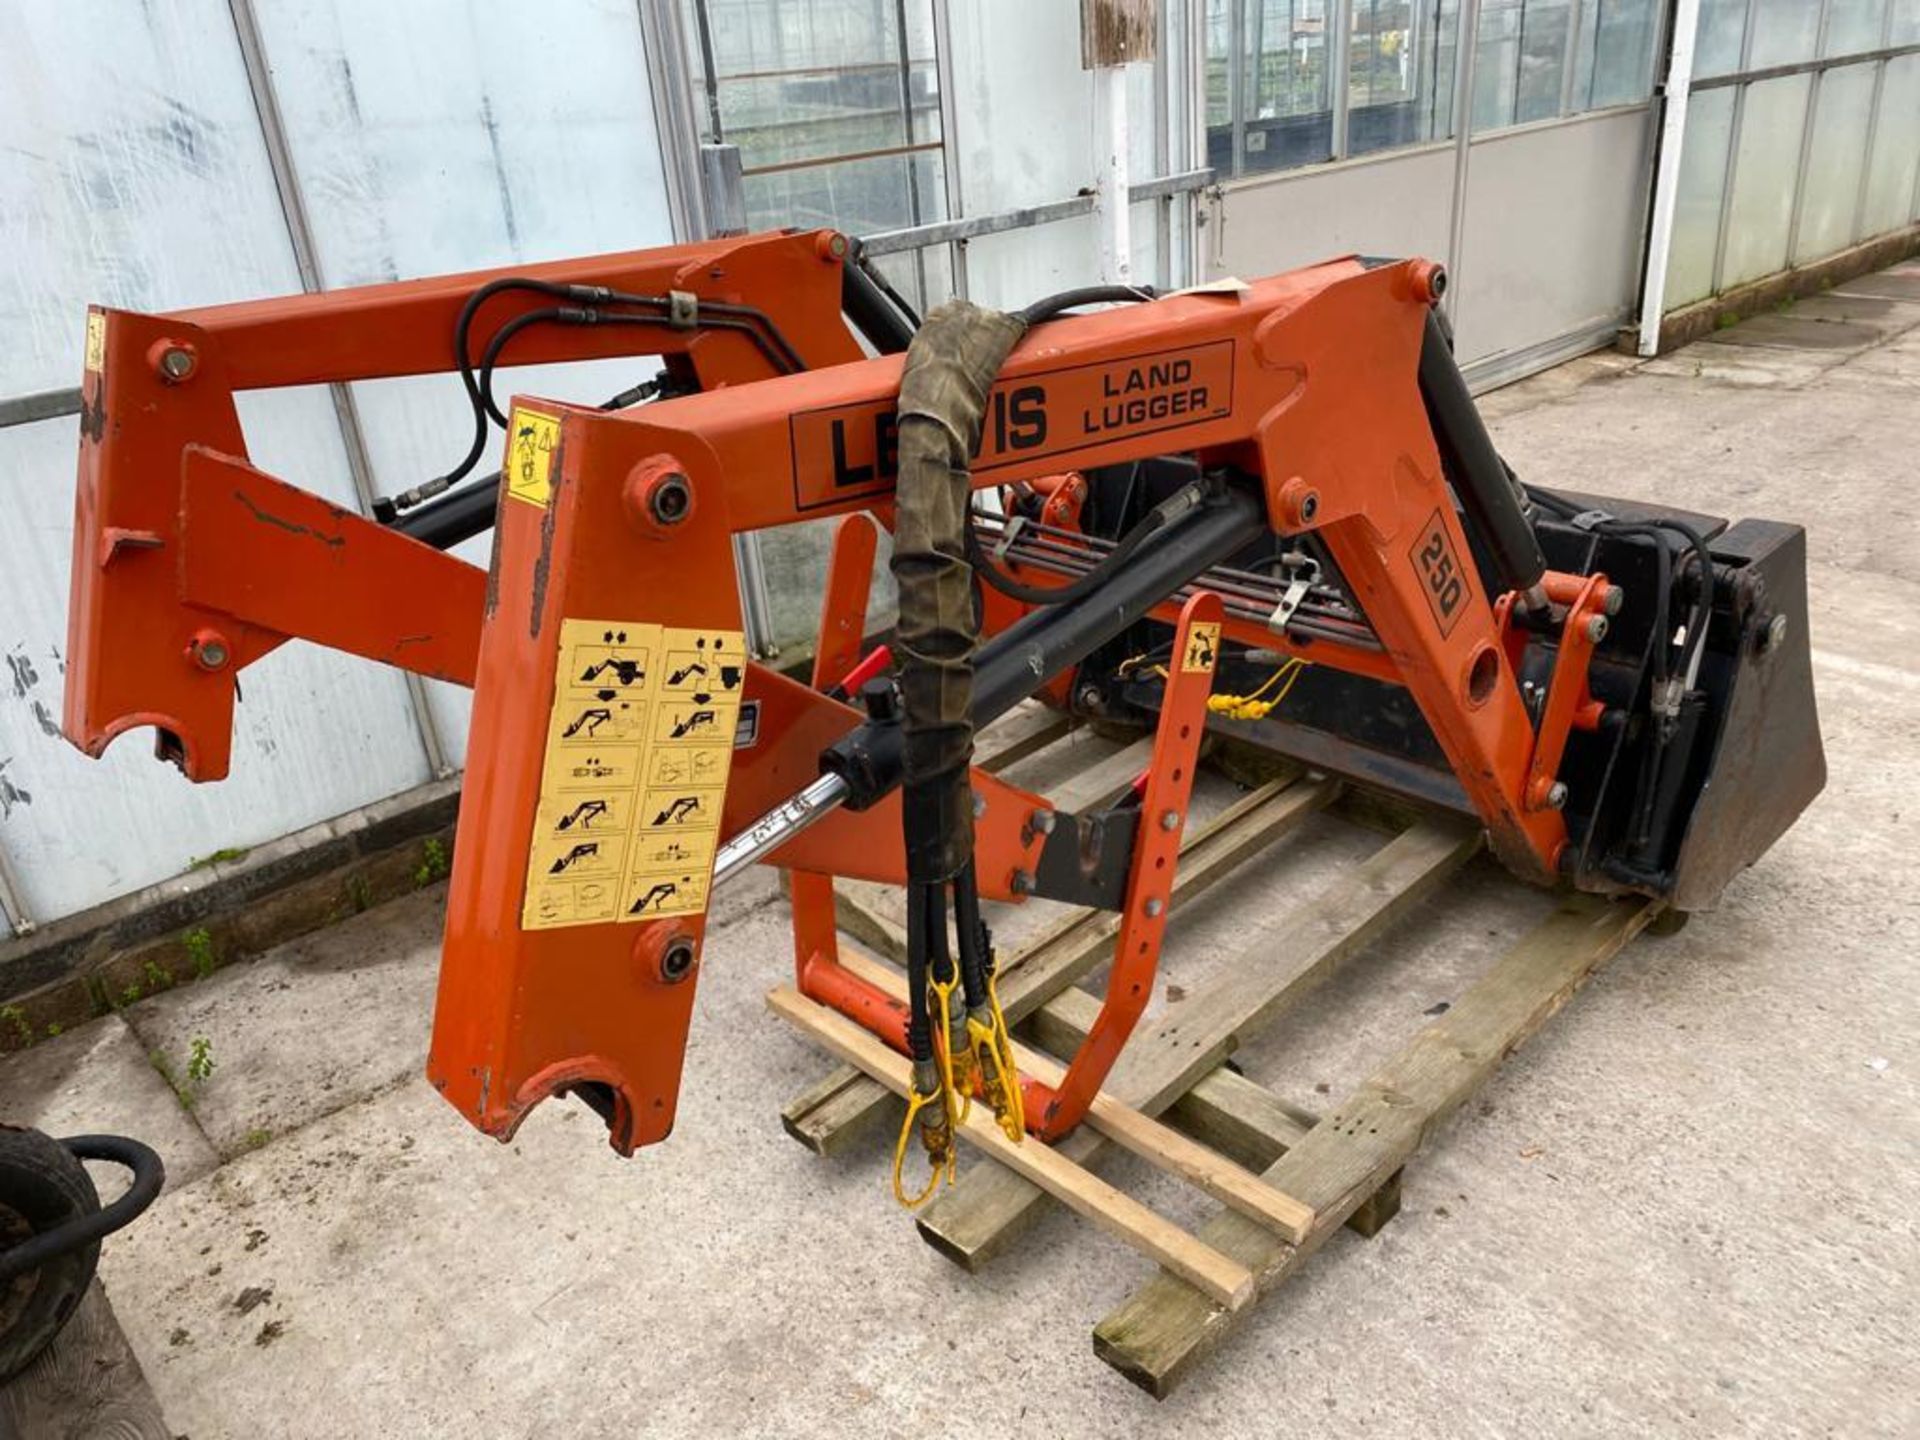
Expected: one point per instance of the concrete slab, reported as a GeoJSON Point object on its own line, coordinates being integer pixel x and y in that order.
{"type": "Point", "coordinates": [307, 1027]}
{"type": "Point", "coordinates": [1900, 283]}
{"type": "Point", "coordinates": [1792, 331]}
{"type": "Point", "coordinates": [99, 1079]}
{"type": "Point", "coordinates": [1886, 314]}
{"type": "Point", "coordinates": [1744, 365]}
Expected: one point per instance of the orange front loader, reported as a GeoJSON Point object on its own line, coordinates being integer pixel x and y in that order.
{"type": "Point", "coordinates": [1197, 490]}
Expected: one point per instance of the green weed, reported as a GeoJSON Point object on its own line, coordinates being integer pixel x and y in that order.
{"type": "Point", "coordinates": [199, 943]}
{"type": "Point", "coordinates": [433, 862]}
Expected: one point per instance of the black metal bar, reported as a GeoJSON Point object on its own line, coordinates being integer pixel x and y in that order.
{"type": "Point", "coordinates": [1477, 473]}
{"type": "Point", "coordinates": [1023, 657]}
{"type": "Point", "coordinates": [458, 515]}
{"type": "Point", "coordinates": [872, 313]}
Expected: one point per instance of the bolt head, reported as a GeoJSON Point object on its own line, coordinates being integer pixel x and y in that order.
{"type": "Point", "coordinates": [1042, 822]}
{"type": "Point", "coordinates": [670, 498]}
{"type": "Point", "coordinates": [1615, 598]}
{"type": "Point", "coordinates": [676, 960]}
{"type": "Point", "coordinates": [177, 363]}
{"type": "Point", "coordinates": [1597, 628]}
{"type": "Point", "coordinates": [1155, 907]}
{"type": "Point", "coordinates": [1557, 796]}
{"type": "Point", "coordinates": [1776, 631]}
{"type": "Point", "coordinates": [209, 650]}
{"type": "Point", "coordinates": [979, 805]}
{"type": "Point", "coordinates": [1169, 819]}
{"type": "Point", "coordinates": [1021, 883]}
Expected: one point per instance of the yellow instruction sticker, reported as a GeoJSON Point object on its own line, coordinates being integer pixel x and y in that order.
{"type": "Point", "coordinates": [635, 773]}
{"type": "Point", "coordinates": [1203, 647]}
{"type": "Point", "coordinates": [96, 342]}
{"type": "Point", "coordinates": [531, 440]}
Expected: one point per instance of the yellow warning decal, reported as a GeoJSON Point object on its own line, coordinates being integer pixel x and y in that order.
{"type": "Point", "coordinates": [638, 747]}
{"type": "Point", "coordinates": [1203, 647]}
{"type": "Point", "coordinates": [532, 437]}
{"type": "Point", "coordinates": [96, 342]}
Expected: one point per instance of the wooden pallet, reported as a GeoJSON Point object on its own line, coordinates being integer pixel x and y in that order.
{"type": "Point", "coordinates": [1286, 1178]}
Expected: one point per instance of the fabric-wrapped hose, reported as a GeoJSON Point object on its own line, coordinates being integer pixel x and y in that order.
{"type": "Point", "coordinates": [950, 369]}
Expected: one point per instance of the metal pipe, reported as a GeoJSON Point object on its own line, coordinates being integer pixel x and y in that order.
{"type": "Point", "coordinates": [1678, 92]}
{"type": "Point", "coordinates": [1465, 61]}
{"type": "Point", "coordinates": [1112, 140]}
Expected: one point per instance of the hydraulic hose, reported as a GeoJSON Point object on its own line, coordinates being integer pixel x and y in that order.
{"type": "Point", "coordinates": [950, 369]}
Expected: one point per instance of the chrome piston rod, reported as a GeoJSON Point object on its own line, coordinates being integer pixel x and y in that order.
{"type": "Point", "coordinates": [779, 825]}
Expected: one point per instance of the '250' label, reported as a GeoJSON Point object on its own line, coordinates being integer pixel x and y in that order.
{"type": "Point", "coordinates": [1443, 579]}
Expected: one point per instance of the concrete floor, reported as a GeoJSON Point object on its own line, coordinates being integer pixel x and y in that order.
{"type": "Point", "coordinates": [1685, 1209]}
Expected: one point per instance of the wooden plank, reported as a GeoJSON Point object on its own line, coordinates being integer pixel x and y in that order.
{"type": "Point", "coordinates": [1244, 1121]}
{"type": "Point", "coordinates": [833, 1115]}
{"type": "Point", "coordinates": [866, 922]}
{"type": "Point", "coordinates": [1165, 1326]}
{"type": "Point", "coordinates": [1075, 945]}
{"type": "Point", "coordinates": [1026, 732]}
{"type": "Point", "coordinates": [1225, 1282]}
{"type": "Point", "coordinates": [1144, 1136]}
{"type": "Point", "coordinates": [977, 1217]}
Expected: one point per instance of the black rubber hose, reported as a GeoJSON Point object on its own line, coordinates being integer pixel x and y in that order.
{"type": "Point", "coordinates": [949, 373]}
{"type": "Point", "coordinates": [972, 932]}
{"type": "Point", "coordinates": [579, 315]}
{"type": "Point", "coordinates": [921, 921]}
{"type": "Point", "coordinates": [149, 1174]}
{"type": "Point", "coordinates": [987, 570]}
{"type": "Point", "coordinates": [1052, 305]}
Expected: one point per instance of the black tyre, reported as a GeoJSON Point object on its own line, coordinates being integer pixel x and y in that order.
{"type": "Point", "coordinates": [41, 1187]}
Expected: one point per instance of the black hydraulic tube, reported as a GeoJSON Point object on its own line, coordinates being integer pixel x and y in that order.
{"type": "Point", "coordinates": [875, 316]}
{"type": "Point", "coordinates": [1023, 657]}
{"type": "Point", "coordinates": [459, 515]}
{"type": "Point", "coordinates": [1477, 473]}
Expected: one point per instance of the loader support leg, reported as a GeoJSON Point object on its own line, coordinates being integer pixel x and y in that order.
{"type": "Point", "coordinates": [1163, 815]}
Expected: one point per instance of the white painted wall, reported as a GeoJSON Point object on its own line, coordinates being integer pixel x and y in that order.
{"type": "Point", "coordinates": [427, 136]}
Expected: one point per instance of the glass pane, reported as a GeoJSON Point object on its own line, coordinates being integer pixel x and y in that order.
{"type": "Point", "coordinates": [1703, 179]}
{"type": "Point", "coordinates": [1496, 64]}
{"type": "Point", "coordinates": [134, 176]}
{"type": "Point", "coordinates": [1520, 61]}
{"type": "Point", "coordinates": [1906, 22]}
{"type": "Point", "coordinates": [1831, 183]}
{"type": "Point", "coordinates": [1896, 149]}
{"type": "Point", "coordinates": [1543, 58]}
{"type": "Point", "coordinates": [1716, 46]}
{"type": "Point", "coordinates": [1289, 117]}
{"type": "Point", "coordinates": [414, 169]}
{"type": "Point", "coordinates": [1853, 26]}
{"type": "Point", "coordinates": [1764, 170]}
{"type": "Point", "coordinates": [1615, 61]}
{"type": "Point", "coordinates": [1784, 32]}
{"type": "Point", "coordinates": [1400, 79]}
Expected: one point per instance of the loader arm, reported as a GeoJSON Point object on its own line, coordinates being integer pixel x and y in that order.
{"type": "Point", "coordinates": [1196, 487]}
